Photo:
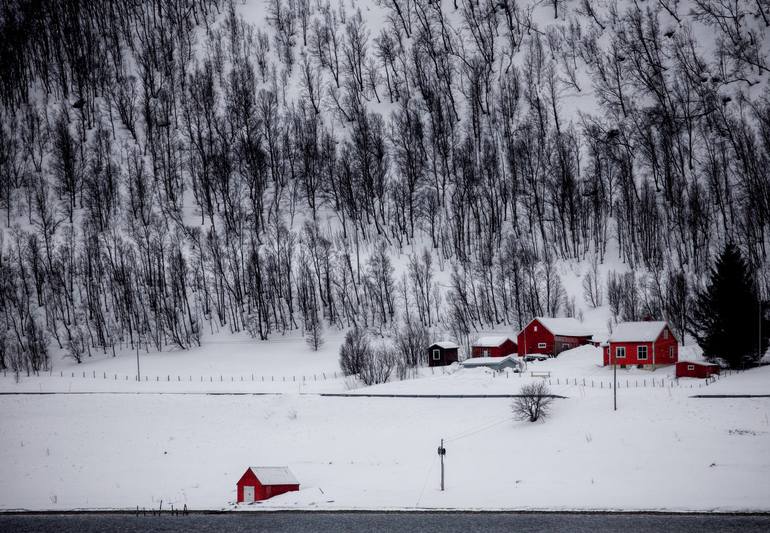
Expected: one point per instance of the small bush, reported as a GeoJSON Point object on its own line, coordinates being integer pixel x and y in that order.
{"type": "Point", "coordinates": [379, 364]}
{"type": "Point", "coordinates": [354, 351]}
{"type": "Point", "coordinates": [534, 402]}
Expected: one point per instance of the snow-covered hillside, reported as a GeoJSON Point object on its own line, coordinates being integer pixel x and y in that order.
{"type": "Point", "coordinates": [201, 199]}
{"type": "Point", "coordinates": [273, 166]}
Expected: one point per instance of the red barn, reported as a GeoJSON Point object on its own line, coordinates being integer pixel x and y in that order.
{"type": "Point", "coordinates": [442, 353]}
{"type": "Point", "coordinates": [644, 344]}
{"type": "Point", "coordinates": [691, 369]}
{"type": "Point", "coordinates": [493, 347]}
{"type": "Point", "coordinates": [263, 482]}
{"type": "Point", "coordinates": [552, 336]}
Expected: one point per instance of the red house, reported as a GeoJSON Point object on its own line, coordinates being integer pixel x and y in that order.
{"type": "Point", "coordinates": [263, 482]}
{"type": "Point", "coordinates": [644, 344]}
{"type": "Point", "coordinates": [552, 336]}
{"type": "Point", "coordinates": [691, 369]}
{"type": "Point", "coordinates": [442, 353]}
{"type": "Point", "coordinates": [493, 347]}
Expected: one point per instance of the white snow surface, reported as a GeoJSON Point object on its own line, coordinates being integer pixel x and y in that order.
{"type": "Point", "coordinates": [274, 475]}
{"type": "Point", "coordinates": [490, 342]}
{"type": "Point", "coordinates": [447, 345]}
{"type": "Point", "coordinates": [647, 331]}
{"type": "Point", "coordinates": [567, 327]}
{"type": "Point", "coordinates": [483, 361]}
{"type": "Point", "coordinates": [662, 450]}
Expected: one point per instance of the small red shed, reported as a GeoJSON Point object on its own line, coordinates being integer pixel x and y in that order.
{"type": "Point", "coordinates": [493, 347]}
{"type": "Point", "coordinates": [442, 353]}
{"type": "Point", "coordinates": [642, 344]}
{"type": "Point", "coordinates": [692, 369]}
{"type": "Point", "coordinates": [263, 482]}
{"type": "Point", "coordinates": [552, 336]}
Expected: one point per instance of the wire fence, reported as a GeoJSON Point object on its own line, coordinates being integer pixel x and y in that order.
{"type": "Point", "coordinates": [209, 378]}
{"type": "Point", "coordinates": [189, 378]}
{"type": "Point", "coordinates": [626, 383]}
{"type": "Point", "coordinates": [588, 382]}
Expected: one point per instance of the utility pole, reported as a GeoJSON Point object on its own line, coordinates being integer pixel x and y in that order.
{"type": "Point", "coordinates": [441, 454]}
{"type": "Point", "coordinates": [138, 374]}
{"type": "Point", "coordinates": [615, 380]}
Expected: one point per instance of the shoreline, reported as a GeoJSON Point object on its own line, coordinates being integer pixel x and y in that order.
{"type": "Point", "coordinates": [179, 512]}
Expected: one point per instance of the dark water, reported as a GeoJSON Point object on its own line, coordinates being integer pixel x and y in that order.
{"type": "Point", "coordinates": [382, 522]}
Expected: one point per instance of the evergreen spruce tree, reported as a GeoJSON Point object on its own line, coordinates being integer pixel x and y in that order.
{"type": "Point", "coordinates": [726, 316]}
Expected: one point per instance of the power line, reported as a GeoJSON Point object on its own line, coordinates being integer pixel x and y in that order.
{"type": "Point", "coordinates": [478, 429]}
{"type": "Point", "coordinates": [425, 483]}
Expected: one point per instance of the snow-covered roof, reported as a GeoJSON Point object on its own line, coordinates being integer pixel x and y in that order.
{"type": "Point", "coordinates": [647, 331]}
{"type": "Point", "coordinates": [491, 342]}
{"type": "Point", "coordinates": [565, 327]}
{"type": "Point", "coordinates": [701, 363]}
{"type": "Point", "coordinates": [447, 345]}
{"type": "Point", "coordinates": [274, 475]}
{"type": "Point", "coordinates": [490, 361]}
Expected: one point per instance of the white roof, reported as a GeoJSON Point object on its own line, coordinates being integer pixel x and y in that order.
{"type": "Point", "coordinates": [447, 345]}
{"type": "Point", "coordinates": [637, 331]}
{"type": "Point", "coordinates": [488, 361]}
{"type": "Point", "coordinates": [565, 327]}
{"type": "Point", "coordinates": [274, 475]}
{"type": "Point", "coordinates": [491, 342]}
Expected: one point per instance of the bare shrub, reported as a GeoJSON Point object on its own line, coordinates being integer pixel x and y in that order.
{"type": "Point", "coordinates": [378, 364]}
{"type": "Point", "coordinates": [533, 403]}
{"type": "Point", "coordinates": [412, 340]}
{"type": "Point", "coordinates": [354, 351]}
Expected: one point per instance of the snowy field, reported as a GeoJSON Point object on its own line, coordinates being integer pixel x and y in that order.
{"type": "Point", "coordinates": [662, 449]}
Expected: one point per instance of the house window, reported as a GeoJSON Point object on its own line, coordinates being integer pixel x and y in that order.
{"type": "Point", "coordinates": [641, 353]}
{"type": "Point", "coordinates": [436, 355]}
{"type": "Point", "coordinates": [665, 333]}
{"type": "Point", "coordinates": [690, 367]}
{"type": "Point", "coordinates": [485, 352]}
{"type": "Point", "coordinates": [535, 328]}
{"type": "Point", "coordinates": [620, 352]}
{"type": "Point", "coordinates": [541, 345]}
{"type": "Point", "coordinates": [565, 346]}
{"type": "Point", "coordinates": [670, 352]}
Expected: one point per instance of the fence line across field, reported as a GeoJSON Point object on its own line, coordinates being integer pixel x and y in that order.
{"type": "Point", "coordinates": [588, 382]}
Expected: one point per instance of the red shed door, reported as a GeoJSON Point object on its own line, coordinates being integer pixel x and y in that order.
{"type": "Point", "coordinates": [248, 493]}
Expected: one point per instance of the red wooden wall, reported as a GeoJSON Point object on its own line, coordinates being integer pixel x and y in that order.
{"type": "Point", "coordinates": [261, 492]}
{"type": "Point", "coordinates": [506, 348]}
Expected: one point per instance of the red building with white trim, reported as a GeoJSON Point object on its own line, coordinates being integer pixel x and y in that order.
{"type": "Point", "coordinates": [493, 347]}
{"type": "Point", "coordinates": [644, 344]}
{"type": "Point", "coordinates": [263, 482]}
{"type": "Point", "coordinates": [693, 369]}
{"type": "Point", "coordinates": [552, 336]}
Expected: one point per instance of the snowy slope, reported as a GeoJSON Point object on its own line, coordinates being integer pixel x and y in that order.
{"type": "Point", "coordinates": [661, 451]}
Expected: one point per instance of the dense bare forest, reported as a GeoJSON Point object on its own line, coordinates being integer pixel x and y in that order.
{"type": "Point", "coordinates": [169, 168]}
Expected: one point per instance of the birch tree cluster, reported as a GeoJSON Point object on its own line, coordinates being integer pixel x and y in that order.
{"type": "Point", "coordinates": [169, 169]}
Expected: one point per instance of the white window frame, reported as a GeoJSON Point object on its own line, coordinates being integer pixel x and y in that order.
{"type": "Point", "coordinates": [565, 346]}
{"type": "Point", "coordinates": [535, 329]}
{"type": "Point", "coordinates": [690, 367]}
{"type": "Point", "coordinates": [639, 350]}
{"type": "Point", "coordinates": [436, 354]}
{"type": "Point", "coordinates": [665, 333]}
{"type": "Point", "coordinates": [485, 352]}
{"type": "Point", "coordinates": [541, 345]}
{"type": "Point", "coordinates": [620, 352]}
